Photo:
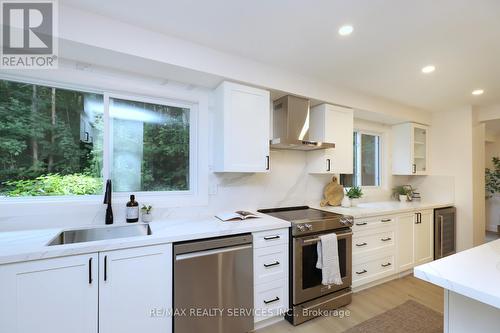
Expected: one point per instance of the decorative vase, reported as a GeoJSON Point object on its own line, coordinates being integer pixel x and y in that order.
{"type": "Point", "coordinates": [354, 202]}
{"type": "Point", "coordinates": [403, 198]}
{"type": "Point", "coordinates": [346, 202]}
{"type": "Point", "coordinates": [146, 218]}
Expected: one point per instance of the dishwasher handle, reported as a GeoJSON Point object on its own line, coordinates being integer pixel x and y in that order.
{"type": "Point", "coordinates": [186, 256]}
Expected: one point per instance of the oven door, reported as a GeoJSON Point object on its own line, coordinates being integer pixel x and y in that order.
{"type": "Point", "coordinates": [307, 278]}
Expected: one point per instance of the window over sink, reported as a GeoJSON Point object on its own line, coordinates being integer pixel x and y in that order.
{"type": "Point", "coordinates": [367, 168]}
{"type": "Point", "coordinates": [65, 142]}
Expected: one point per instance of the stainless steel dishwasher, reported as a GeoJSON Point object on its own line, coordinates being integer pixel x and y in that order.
{"type": "Point", "coordinates": [213, 285]}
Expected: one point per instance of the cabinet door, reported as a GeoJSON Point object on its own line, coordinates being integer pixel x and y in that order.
{"type": "Point", "coordinates": [241, 129]}
{"type": "Point", "coordinates": [405, 241]}
{"type": "Point", "coordinates": [50, 296]}
{"type": "Point", "coordinates": [419, 149]}
{"type": "Point", "coordinates": [135, 290]}
{"type": "Point", "coordinates": [321, 161]}
{"type": "Point", "coordinates": [424, 231]}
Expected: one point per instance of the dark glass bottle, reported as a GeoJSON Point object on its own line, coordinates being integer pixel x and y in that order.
{"type": "Point", "coordinates": [132, 210]}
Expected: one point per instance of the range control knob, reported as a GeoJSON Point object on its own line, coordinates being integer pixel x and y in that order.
{"type": "Point", "coordinates": [301, 227]}
{"type": "Point", "coordinates": [308, 226]}
{"type": "Point", "coordinates": [348, 221]}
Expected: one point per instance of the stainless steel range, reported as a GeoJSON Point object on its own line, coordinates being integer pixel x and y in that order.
{"type": "Point", "coordinates": [308, 297]}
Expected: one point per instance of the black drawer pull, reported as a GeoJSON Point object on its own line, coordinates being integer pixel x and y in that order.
{"type": "Point", "coordinates": [272, 300]}
{"type": "Point", "coordinates": [362, 223]}
{"type": "Point", "coordinates": [385, 239]}
{"type": "Point", "coordinates": [362, 244]}
{"type": "Point", "coordinates": [386, 265]}
{"type": "Point", "coordinates": [271, 237]}
{"type": "Point", "coordinates": [276, 263]}
{"type": "Point", "coordinates": [362, 272]}
{"type": "Point", "coordinates": [386, 220]}
{"type": "Point", "coordinates": [105, 268]}
{"type": "Point", "coordinates": [90, 271]}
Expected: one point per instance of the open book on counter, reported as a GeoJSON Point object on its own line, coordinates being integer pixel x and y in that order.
{"type": "Point", "coordinates": [236, 216]}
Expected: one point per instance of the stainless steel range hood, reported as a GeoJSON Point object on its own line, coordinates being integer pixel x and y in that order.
{"type": "Point", "coordinates": [291, 125]}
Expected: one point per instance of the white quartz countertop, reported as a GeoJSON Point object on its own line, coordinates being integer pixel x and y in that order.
{"type": "Point", "coordinates": [17, 246]}
{"type": "Point", "coordinates": [474, 273]}
{"type": "Point", "coordinates": [370, 209]}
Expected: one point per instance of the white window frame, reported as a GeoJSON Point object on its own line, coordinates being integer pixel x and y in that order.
{"type": "Point", "coordinates": [194, 196]}
{"type": "Point", "coordinates": [379, 167]}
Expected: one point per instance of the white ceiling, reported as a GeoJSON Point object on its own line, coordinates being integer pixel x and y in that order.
{"type": "Point", "coordinates": [392, 40]}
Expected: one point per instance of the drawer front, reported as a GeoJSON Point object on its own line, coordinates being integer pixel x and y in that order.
{"type": "Point", "coordinates": [270, 263]}
{"type": "Point", "coordinates": [270, 299]}
{"type": "Point", "coordinates": [373, 269]}
{"type": "Point", "coordinates": [270, 238]}
{"type": "Point", "coordinates": [373, 222]}
{"type": "Point", "coordinates": [374, 241]}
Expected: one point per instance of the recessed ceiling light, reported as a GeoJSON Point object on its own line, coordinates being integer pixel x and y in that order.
{"type": "Point", "coordinates": [346, 30]}
{"type": "Point", "coordinates": [477, 92]}
{"type": "Point", "coordinates": [428, 69]}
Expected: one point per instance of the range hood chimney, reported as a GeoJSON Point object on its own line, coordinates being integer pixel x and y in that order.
{"type": "Point", "coordinates": [291, 125]}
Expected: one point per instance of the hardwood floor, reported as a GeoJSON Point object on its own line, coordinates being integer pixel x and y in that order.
{"type": "Point", "coordinates": [369, 303]}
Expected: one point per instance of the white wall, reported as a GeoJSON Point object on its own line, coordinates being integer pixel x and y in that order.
{"type": "Point", "coordinates": [454, 145]}
{"type": "Point", "coordinates": [492, 149]}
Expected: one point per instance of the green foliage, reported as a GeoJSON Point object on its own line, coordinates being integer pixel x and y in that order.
{"type": "Point", "coordinates": [54, 184]}
{"type": "Point", "coordinates": [146, 209]}
{"type": "Point", "coordinates": [402, 190]}
{"type": "Point", "coordinates": [354, 192]}
{"type": "Point", "coordinates": [493, 178]}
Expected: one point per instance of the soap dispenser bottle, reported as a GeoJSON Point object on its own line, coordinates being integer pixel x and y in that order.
{"type": "Point", "coordinates": [132, 210]}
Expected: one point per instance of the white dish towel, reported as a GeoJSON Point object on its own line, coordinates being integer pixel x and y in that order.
{"type": "Point", "coordinates": [328, 259]}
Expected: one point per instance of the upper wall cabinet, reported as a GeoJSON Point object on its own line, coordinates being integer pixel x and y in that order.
{"type": "Point", "coordinates": [330, 123]}
{"type": "Point", "coordinates": [410, 154]}
{"type": "Point", "coordinates": [241, 128]}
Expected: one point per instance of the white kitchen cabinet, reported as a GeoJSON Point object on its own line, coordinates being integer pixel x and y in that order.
{"type": "Point", "coordinates": [50, 296]}
{"type": "Point", "coordinates": [406, 244]}
{"type": "Point", "coordinates": [241, 128]}
{"type": "Point", "coordinates": [135, 289]}
{"type": "Point", "coordinates": [410, 155]}
{"type": "Point", "coordinates": [333, 124]}
{"type": "Point", "coordinates": [424, 236]}
{"type": "Point", "coordinates": [270, 266]}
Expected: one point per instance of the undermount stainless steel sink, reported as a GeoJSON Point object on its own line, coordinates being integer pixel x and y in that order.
{"type": "Point", "coordinates": [100, 233]}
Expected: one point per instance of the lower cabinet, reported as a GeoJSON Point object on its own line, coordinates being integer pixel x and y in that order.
{"type": "Point", "coordinates": [424, 236]}
{"type": "Point", "coordinates": [270, 262]}
{"type": "Point", "coordinates": [116, 291]}
{"type": "Point", "coordinates": [135, 290]}
{"type": "Point", "coordinates": [406, 244]}
{"type": "Point", "coordinates": [386, 245]}
{"type": "Point", "coordinates": [50, 296]}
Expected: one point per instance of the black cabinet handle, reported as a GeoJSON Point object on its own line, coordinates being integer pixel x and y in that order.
{"type": "Point", "coordinates": [362, 272]}
{"type": "Point", "coordinates": [386, 239]}
{"type": "Point", "coordinates": [105, 268]}
{"type": "Point", "coordinates": [386, 220]}
{"type": "Point", "coordinates": [271, 237]}
{"type": "Point", "coordinates": [90, 271]}
{"type": "Point", "coordinates": [414, 168]}
{"type": "Point", "coordinates": [386, 265]}
{"type": "Point", "coordinates": [272, 300]}
{"type": "Point", "coordinates": [328, 164]}
{"type": "Point", "coordinates": [362, 244]}
{"type": "Point", "coordinates": [268, 162]}
{"type": "Point", "coordinates": [362, 223]}
{"type": "Point", "coordinates": [276, 263]}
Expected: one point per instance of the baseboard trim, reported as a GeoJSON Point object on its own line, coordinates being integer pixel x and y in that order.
{"type": "Point", "coordinates": [267, 322]}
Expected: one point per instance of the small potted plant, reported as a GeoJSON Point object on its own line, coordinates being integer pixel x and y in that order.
{"type": "Point", "coordinates": [146, 213]}
{"type": "Point", "coordinates": [403, 193]}
{"type": "Point", "coordinates": [354, 193]}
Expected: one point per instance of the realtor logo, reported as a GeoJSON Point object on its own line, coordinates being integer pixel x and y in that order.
{"type": "Point", "coordinates": [28, 34]}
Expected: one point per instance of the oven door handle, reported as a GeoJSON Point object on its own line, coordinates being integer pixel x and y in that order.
{"type": "Point", "coordinates": [317, 239]}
